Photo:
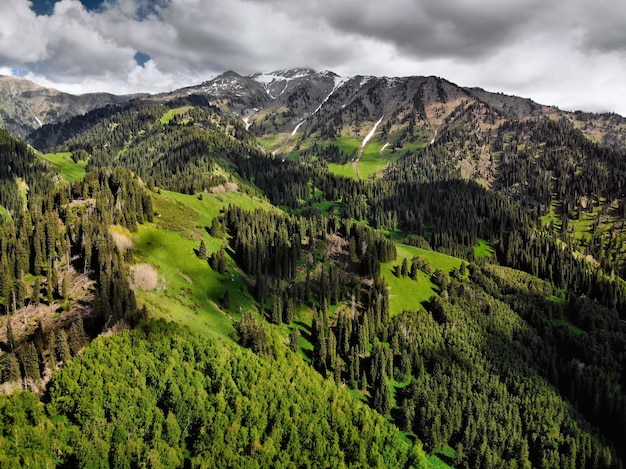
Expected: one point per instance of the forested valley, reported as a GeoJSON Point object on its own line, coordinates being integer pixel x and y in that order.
{"type": "Point", "coordinates": [192, 300]}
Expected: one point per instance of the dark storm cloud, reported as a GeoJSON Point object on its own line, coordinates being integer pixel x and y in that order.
{"type": "Point", "coordinates": [601, 25]}
{"type": "Point", "coordinates": [443, 28]}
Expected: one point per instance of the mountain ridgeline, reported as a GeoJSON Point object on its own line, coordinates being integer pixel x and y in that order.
{"type": "Point", "coordinates": [26, 106]}
{"type": "Point", "coordinates": [426, 275]}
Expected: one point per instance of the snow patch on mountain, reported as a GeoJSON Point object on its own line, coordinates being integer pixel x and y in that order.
{"type": "Point", "coordinates": [297, 127]}
{"type": "Point", "coordinates": [371, 134]}
{"type": "Point", "coordinates": [271, 78]}
{"type": "Point", "coordinates": [339, 81]}
{"type": "Point", "coordinates": [364, 80]}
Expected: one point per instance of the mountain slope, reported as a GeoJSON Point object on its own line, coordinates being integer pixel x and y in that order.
{"type": "Point", "coordinates": [508, 355]}
{"type": "Point", "coordinates": [25, 106]}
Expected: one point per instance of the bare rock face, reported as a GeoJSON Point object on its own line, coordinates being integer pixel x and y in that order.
{"type": "Point", "coordinates": [26, 106]}
{"type": "Point", "coordinates": [293, 107]}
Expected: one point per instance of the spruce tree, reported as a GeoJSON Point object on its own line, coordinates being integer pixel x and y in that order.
{"type": "Point", "coordinates": [36, 291]}
{"type": "Point", "coordinates": [294, 339]}
{"type": "Point", "coordinates": [226, 299]}
{"type": "Point", "coordinates": [11, 371]}
{"type": "Point", "coordinates": [30, 361]}
{"type": "Point", "coordinates": [76, 337]}
{"type": "Point", "coordinates": [62, 348]}
{"type": "Point", "coordinates": [202, 250]}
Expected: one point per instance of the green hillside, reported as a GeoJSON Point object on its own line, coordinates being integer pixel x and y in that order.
{"type": "Point", "coordinates": [185, 298]}
{"type": "Point", "coordinates": [167, 397]}
{"type": "Point", "coordinates": [188, 291]}
{"type": "Point", "coordinates": [69, 169]}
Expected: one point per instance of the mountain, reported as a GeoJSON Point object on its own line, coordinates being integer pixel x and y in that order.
{"type": "Point", "coordinates": [563, 165]}
{"type": "Point", "coordinates": [285, 102]}
{"type": "Point", "coordinates": [26, 106]}
{"type": "Point", "coordinates": [450, 258]}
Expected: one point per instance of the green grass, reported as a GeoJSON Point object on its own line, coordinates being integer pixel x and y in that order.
{"type": "Point", "coordinates": [192, 213]}
{"type": "Point", "coordinates": [190, 291]}
{"type": "Point", "coordinates": [560, 298]}
{"type": "Point", "coordinates": [575, 330]}
{"type": "Point", "coordinates": [349, 145]}
{"type": "Point", "coordinates": [551, 217]}
{"type": "Point", "coordinates": [273, 141]}
{"type": "Point", "coordinates": [370, 158]}
{"type": "Point", "coordinates": [483, 249]}
{"type": "Point", "coordinates": [4, 214]}
{"type": "Point", "coordinates": [66, 167]}
{"type": "Point", "coordinates": [346, 170]}
{"type": "Point", "coordinates": [436, 259]}
{"type": "Point", "coordinates": [371, 161]}
{"type": "Point", "coordinates": [406, 293]}
{"type": "Point", "coordinates": [447, 451]}
{"type": "Point", "coordinates": [327, 207]}
{"type": "Point", "coordinates": [582, 227]}
{"type": "Point", "coordinates": [169, 115]}
{"type": "Point", "coordinates": [435, 462]}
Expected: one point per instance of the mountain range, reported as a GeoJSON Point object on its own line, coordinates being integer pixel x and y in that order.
{"type": "Point", "coordinates": [26, 106]}
{"type": "Point", "coordinates": [425, 275]}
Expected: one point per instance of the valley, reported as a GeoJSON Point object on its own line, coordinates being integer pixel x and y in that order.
{"type": "Point", "coordinates": [300, 269]}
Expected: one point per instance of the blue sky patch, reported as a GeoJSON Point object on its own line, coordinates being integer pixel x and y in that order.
{"type": "Point", "coordinates": [141, 58]}
{"type": "Point", "coordinates": [46, 7]}
{"type": "Point", "coordinates": [19, 72]}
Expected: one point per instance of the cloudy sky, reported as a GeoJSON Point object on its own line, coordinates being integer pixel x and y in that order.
{"type": "Point", "coordinates": [570, 53]}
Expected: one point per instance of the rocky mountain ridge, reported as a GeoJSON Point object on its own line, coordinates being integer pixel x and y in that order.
{"type": "Point", "coordinates": [291, 106]}
{"type": "Point", "coordinates": [26, 106]}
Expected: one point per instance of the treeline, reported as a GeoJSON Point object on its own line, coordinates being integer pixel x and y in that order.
{"type": "Point", "coordinates": [20, 172]}
{"type": "Point", "coordinates": [450, 213]}
{"type": "Point", "coordinates": [182, 153]}
{"type": "Point", "coordinates": [64, 235]}
{"type": "Point", "coordinates": [547, 158]}
{"type": "Point", "coordinates": [165, 397]}
{"type": "Point", "coordinates": [548, 164]}
{"type": "Point", "coordinates": [275, 247]}
{"type": "Point", "coordinates": [469, 372]}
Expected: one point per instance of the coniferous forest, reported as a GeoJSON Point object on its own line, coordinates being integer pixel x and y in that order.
{"type": "Point", "coordinates": [192, 300]}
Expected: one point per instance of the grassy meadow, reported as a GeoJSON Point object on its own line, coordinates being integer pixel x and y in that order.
{"type": "Point", "coordinates": [65, 166]}
{"type": "Point", "coordinates": [188, 290]}
{"type": "Point", "coordinates": [406, 293]}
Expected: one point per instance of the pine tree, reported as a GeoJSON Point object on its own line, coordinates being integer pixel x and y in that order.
{"type": "Point", "coordinates": [10, 338]}
{"type": "Point", "coordinates": [294, 339]}
{"type": "Point", "coordinates": [30, 361]}
{"type": "Point", "coordinates": [36, 291]}
{"type": "Point", "coordinates": [53, 283]}
{"type": "Point", "coordinates": [382, 395]}
{"type": "Point", "coordinates": [289, 311]}
{"type": "Point", "coordinates": [404, 270]}
{"type": "Point", "coordinates": [76, 337]}
{"type": "Point", "coordinates": [62, 348]}
{"type": "Point", "coordinates": [202, 250]}
{"type": "Point", "coordinates": [11, 371]}
{"type": "Point", "coordinates": [276, 314]}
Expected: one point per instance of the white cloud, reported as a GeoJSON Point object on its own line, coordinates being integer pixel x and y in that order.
{"type": "Point", "coordinates": [22, 38]}
{"type": "Point", "coordinates": [564, 52]}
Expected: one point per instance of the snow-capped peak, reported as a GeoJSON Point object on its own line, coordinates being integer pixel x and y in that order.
{"type": "Point", "coordinates": [288, 74]}
{"type": "Point", "coordinates": [269, 79]}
